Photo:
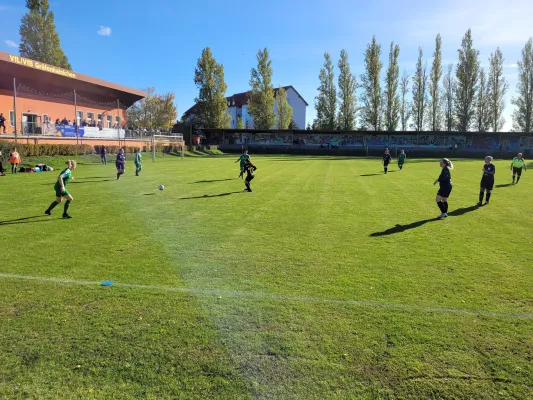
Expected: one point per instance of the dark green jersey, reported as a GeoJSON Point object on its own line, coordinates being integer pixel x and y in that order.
{"type": "Point", "coordinates": [66, 175]}
{"type": "Point", "coordinates": [138, 159]}
{"type": "Point", "coordinates": [401, 158]}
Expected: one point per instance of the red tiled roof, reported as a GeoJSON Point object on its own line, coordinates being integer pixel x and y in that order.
{"type": "Point", "coordinates": [241, 99]}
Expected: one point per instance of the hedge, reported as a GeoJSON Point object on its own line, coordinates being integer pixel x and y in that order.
{"type": "Point", "coordinates": [36, 150]}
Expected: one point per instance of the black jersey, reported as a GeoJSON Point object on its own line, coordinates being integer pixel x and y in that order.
{"type": "Point", "coordinates": [387, 158]}
{"type": "Point", "coordinates": [488, 171]}
{"type": "Point", "coordinates": [445, 177]}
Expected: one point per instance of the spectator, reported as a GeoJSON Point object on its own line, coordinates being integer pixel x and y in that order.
{"type": "Point", "coordinates": [2, 122]}
{"type": "Point", "coordinates": [58, 121]}
{"type": "Point", "coordinates": [64, 121]}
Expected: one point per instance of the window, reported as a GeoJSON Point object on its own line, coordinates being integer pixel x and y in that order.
{"type": "Point", "coordinates": [117, 121]}
{"type": "Point", "coordinates": [46, 118]}
{"type": "Point", "coordinates": [109, 121]}
{"type": "Point", "coordinates": [11, 118]}
{"type": "Point", "coordinates": [79, 117]}
{"type": "Point", "coordinates": [100, 119]}
{"type": "Point", "coordinates": [90, 116]}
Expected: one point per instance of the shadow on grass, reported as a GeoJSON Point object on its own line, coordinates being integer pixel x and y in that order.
{"type": "Point", "coordinates": [148, 194]}
{"type": "Point", "coordinates": [402, 228]}
{"type": "Point", "coordinates": [380, 173]}
{"type": "Point", "coordinates": [78, 182]}
{"type": "Point", "coordinates": [207, 196]}
{"type": "Point", "coordinates": [25, 220]}
{"type": "Point", "coordinates": [215, 180]}
{"type": "Point", "coordinates": [504, 185]}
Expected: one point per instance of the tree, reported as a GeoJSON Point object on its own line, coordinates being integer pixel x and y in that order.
{"type": "Point", "coordinates": [467, 74]}
{"type": "Point", "coordinates": [309, 127]}
{"type": "Point", "coordinates": [326, 100]}
{"type": "Point", "coordinates": [239, 124]}
{"type": "Point", "coordinates": [449, 96]}
{"type": "Point", "coordinates": [293, 125]}
{"type": "Point", "coordinates": [261, 97]}
{"type": "Point", "coordinates": [283, 110]}
{"type": "Point", "coordinates": [370, 82]}
{"type": "Point", "coordinates": [405, 106]}
{"type": "Point", "coordinates": [38, 37]}
{"type": "Point", "coordinates": [497, 88]}
{"type": "Point", "coordinates": [419, 93]}
{"type": "Point", "coordinates": [155, 111]}
{"type": "Point", "coordinates": [482, 103]}
{"type": "Point", "coordinates": [523, 113]}
{"type": "Point", "coordinates": [347, 94]}
{"type": "Point", "coordinates": [392, 102]}
{"type": "Point", "coordinates": [211, 103]}
{"type": "Point", "coordinates": [435, 111]}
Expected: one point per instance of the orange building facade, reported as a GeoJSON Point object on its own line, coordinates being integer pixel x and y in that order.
{"type": "Point", "coordinates": [34, 95]}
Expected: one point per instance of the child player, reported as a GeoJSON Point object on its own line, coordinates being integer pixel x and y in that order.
{"type": "Point", "coordinates": [249, 168]}
{"type": "Point", "coordinates": [64, 178]}
{"type": "Point", "coordinates": [445, 187]}
{"type": "Point", "coordinates": [138, 161]}
{"type": "Point", "coordinates": [386, 160]}
{"type": "Point", "coordinates": [14, 159]}
{"type": "Point", "coordinates": [243, 158]}
{"type": "Point", "coordinates": [516, 166]}
{"type": "Point", "coordinates": [120, 163]}
{"type": "Point", "coordinates": [401, 159]}
{"type": "Point", "coordinates": [487, 180]}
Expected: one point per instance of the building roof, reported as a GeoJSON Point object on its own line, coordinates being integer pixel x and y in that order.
{"type": "Point", "coordinates": [241, 99]}
{"type": "Point", "coordinates": [48, 82]}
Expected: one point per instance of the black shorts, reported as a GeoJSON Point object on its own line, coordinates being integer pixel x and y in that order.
{"type": "Point", "coordinates": [444, 191]}
{"type": "Point", "coordinates": [517, 171]}
{"type": "Point", "coordinates": [487, 183]}
{"type": "Point", "coordinates": [386, 164]}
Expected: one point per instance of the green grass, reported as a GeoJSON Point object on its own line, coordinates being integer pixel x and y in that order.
{"type": "Point", "coordinates": [285, 294]}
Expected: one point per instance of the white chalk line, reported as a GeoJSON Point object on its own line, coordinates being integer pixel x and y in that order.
{"type": "Point", "coordinates": [260, 295]}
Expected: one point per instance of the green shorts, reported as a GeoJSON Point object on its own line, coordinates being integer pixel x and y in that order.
{"type": "Point", "coordinates": [58, 192]}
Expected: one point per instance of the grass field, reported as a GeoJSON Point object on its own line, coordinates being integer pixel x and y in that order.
{"type": "Point", "coordinates": [329, 281]}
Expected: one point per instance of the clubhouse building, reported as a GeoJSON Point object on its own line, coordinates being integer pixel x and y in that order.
{"type": "Point", "coordinates": [43, 100]}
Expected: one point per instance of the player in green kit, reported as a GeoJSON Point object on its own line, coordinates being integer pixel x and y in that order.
{"type": "Point", "coordinates": [516, 166]}
{"type": "Point", "coordinates": [138, 162]}
{"type": "Point", "coordinates": [64, 178]}
{"type": "Point", "coordinates": [243, 159]}
{"type": "Point", "coordinates": [401, 159]}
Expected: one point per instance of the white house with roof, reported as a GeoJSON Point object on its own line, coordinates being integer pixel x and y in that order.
{"type": "Point", "coordinates": [238, 107]}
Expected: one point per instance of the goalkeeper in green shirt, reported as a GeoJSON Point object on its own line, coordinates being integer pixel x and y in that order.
{"type": "Point", "coordinates": [64, 178]}
{"type": "Point", "coordinates": [138, 162]}
{"type": "Point", "coordinates": [244, 158]}
{"type": "Point", "coordinates": [516, 166]}
{"type": "Point", "coordinates": [401, 159]}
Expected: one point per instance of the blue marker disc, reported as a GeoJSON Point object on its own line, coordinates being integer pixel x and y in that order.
{"type": "Point", "coordinates": [107, 283]}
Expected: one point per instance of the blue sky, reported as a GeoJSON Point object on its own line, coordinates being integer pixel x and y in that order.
{"type": "Point", "coordinates": [157, 43]}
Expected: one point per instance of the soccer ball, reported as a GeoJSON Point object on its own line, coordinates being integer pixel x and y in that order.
{"type": "Point", "coordinates": [161, 187]}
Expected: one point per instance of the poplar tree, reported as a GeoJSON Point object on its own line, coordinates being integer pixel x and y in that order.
{"type": "Point", "coordinates": [435, 111]}
{"type": "Point", "coordinates": [497, 87]}
{"type": "Point", "coordinates": [419, 93]}
{"type": "Point", "coordinates": [523, 113]}
{"type": "Point", "coordinates": [371, 98]}
{"type": "Point", "coordinates": [283, 109]}
{"type": "Point", "coordinates": [326, 100]}
{"type": "Point", "coordinates": [347, 94]}
{"type": "Point", "coordinates": [392, 102]}
{"type": "Point", "coordinates": [467, 74]}
{"type": "Point", "coordinates": [261, 96]}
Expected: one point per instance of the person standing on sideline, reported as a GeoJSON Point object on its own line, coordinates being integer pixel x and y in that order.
{"type": "Point", "coordinates": [64, 178]}
{"type": "Point", "coordinates": [445, 187]}
{"type": "Point", "coordinates": [243, 158]}
{"type": "Point", "coordinates": [138, 161]}
{"type": "Point", "coordinates": [14, 159]}
{"type": "Point", "coordinates": [103, 155]}
{"type": "Point", "coordinates": [516, 166]}
{"type": "Point", "coordinates": [3, 122]}
{"type": "Point", "coordinates": [386, 160]}
{"type": "Point", "coordinates": [401, 159]}
{"type": "Point", "coordinates": [120, 163]}
{"type": "Point", "coordinates": [487, 180]}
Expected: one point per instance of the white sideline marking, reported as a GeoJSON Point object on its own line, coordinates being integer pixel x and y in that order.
{"type": "Point", "coordinates": [259, 295]}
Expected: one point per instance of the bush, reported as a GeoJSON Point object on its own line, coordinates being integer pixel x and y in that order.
{"type": "Point", "coordinates": [36, 150]}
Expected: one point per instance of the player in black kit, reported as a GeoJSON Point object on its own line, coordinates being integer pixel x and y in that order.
{"type": "Point", "coordinates": [386, 160]}
{"type": "Point", "coordinates": [249, 168]}
{"type": "Point", "coordinates": [487, 180]}
{"type": "Point", "coordinates": [445, 183]}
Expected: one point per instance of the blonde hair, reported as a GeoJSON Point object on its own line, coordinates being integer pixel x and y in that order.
{"type": "Point", "coordinates": [71, 164]}
{"type": "Point", "coordinates": [448, 163]}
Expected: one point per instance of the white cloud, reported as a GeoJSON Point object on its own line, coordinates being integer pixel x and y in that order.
{"type": "Point", "coordinates": [11, 43]}
{"type": "Point", "coordinates": [104, 31]}
{"type": "Point", "coordinates": [493, 23]}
